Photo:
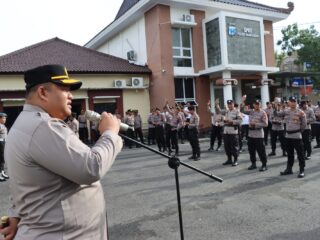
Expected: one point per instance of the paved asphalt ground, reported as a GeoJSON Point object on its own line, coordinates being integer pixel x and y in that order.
{"type": "Point", "coordinates": [249, 205]}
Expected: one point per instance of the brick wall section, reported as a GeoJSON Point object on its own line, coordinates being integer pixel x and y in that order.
{"type": "Point", "coordinates": [269, 44]}
{"type": "Point", "coordinates": [159, 52]}
{"type": "Point", "coordinates": [202, 83]}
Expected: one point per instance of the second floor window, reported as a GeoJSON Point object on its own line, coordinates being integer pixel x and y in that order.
{"type": "Point", "coordinates": [182, 52]}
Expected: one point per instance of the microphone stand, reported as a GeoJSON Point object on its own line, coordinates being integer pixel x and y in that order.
{"type": "Point", "coordinates": [174, 163]}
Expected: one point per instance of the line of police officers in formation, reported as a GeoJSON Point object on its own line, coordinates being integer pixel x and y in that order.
{"type": "Point", "coordinates": [293, 124]}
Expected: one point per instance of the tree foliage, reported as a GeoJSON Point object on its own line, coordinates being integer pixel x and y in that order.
{"type": "Point", "coordinates": [305, 41]}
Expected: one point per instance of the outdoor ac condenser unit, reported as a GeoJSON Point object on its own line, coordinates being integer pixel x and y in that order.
{"type": "Point", "coordinates": [132, 55]}
{"type": "Point", "coordinates": [137, 82]}
{"type": "Point", "coordinates": [120, 83]}
{"type": "Point", "coordinates": [188, 18]}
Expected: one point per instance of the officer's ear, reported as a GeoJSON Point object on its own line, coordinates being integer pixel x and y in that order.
{"type": "Point", "coordinates": [43, 91]}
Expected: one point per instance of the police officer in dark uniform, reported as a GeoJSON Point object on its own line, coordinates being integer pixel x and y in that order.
{"type": "Point", "coordinates": [232, 122]}
{"type": "Point", "coordinates": [296, 122]}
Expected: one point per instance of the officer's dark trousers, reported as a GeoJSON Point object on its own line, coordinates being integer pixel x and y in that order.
{"type": "Point", "coordinates": [181, 135]}
{"type": "Point", "coordinates": [295, 144]}
{"type": "Point", "coordinates": [316, 128]}
{"type": "Point", "coordinates": [231, 145]}
{"type": "Point", "coordinates": [216, 133]}
{"type": "Point", "coordinates": [130, 134]}
{"type": "Point", "coordinates": [151, 135]}
{"type": "Point", "coordinates": [160, 137]}
{"type": "Point", "coordinates": [174, 140]}
{"type": "Point", "coordinates": [168, 136]}
{"type": "Point", "coordinates": [2, 155]}
{"type": "Point", "coordinates": [194, 141]}
{"type": "Point", "coordinates": [138, 133]}
{"type": "Point", "coordinates": [83, 134]}
{"type": "Point", "coordinates": [306, 139]}
{"type": "Point", "coordinates": [257, 145]}
{"type": "Point", "coordinates": [266, 132]}
{"type": "Point", "coordinates": [275, 134]}
{"type": "Point", "coordinates": [244, 131]}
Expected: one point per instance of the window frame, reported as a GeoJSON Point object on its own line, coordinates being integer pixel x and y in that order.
{"type": "Point", "coordinates": [184, 98]}
{"type": "Point", "coordinates": [181, 48]}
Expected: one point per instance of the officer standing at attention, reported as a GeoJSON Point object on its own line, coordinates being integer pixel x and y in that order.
{"type": "Point", "coordinates": [316, 125]}
{"type": "Point", "coordinates": [216, 128]}
{"type": "Point", "coordinates": [232, 123]}
{"type": "Point", "coordinates": [277, 131]}
{"type": "Point", "coordinates": [306, 134]}
{"type": "Point", "coordinates": [296, 122]}
{"type": "Point", "coordinates": [258, 120]}
{"type": "Point", "coordinates": [3, 135]}
{"type": "Point", "coordinates": [55, 178]}
{"type": "Point", "coordinates": [268, 128]}
{"type": "Point", "coordinates": [193, 133]}
{"type": "Point", "coordinates": [158, 121]}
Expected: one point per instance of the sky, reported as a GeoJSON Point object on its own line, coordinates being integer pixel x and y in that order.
{"type": "Point", "coordinates": [27, 22]}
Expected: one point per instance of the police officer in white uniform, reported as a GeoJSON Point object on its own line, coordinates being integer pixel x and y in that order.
{"type": "Point", "coordinates": [55, 187]}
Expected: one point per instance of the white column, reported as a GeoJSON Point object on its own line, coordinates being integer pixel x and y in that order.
{"type": "Point", "coordinates": [264, 91]}
{"type": "Point", "coordinates": [238, 93]}
{"type": "Point", "coordinates": [227, 86]}
{"type": "Point", "coordinates": [212, 96]}
{"type": "Point", "coordinates": [227, 92]}
{"type": "Point", "coordinates": [265, 97]}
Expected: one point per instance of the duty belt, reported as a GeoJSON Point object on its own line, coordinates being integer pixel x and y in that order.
{"type": "Point", "coordinates": [294, 131]}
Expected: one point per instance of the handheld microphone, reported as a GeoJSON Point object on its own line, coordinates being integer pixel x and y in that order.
{"type": "Point", "coordinates": [96, 117]}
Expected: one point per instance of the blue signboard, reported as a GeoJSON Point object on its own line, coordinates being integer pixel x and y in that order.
{"type": "Point", "coordinates": [301, 82]}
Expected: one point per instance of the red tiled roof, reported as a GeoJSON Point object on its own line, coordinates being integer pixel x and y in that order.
{"type": "Point", "coordinates": [76, 58]}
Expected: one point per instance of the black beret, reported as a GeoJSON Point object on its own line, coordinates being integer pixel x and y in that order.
{"type": "Point", "coordinates": [56, 74]}
{"type": "Point", "coordinates": [229, 101]}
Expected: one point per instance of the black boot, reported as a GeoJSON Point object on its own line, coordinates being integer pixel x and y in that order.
{"type": "Point", "coordinates": [253, 166]}
{"type": "Point", "coordinates": [228, 162]}
{"type": "Point", "coordinates": [235, 162]}
{"type": "Point", "coordinates": [273, 153]}
{"type": "Point", "coordinates": [301, 173]}
{"type": "Point", "coordinates": [287, 171]}
{"type": "Point", "coordinates": [263, 168]}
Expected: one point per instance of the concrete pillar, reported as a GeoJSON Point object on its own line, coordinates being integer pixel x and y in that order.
{"type": "Point", "coordinates": [265, 95]}
{"type": "Point", "coordinates": [227, 91]}
{"type": "Point", "coordinates": [264, 91]}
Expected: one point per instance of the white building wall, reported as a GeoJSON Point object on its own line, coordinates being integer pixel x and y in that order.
{"type": "Point", "coordinates": [131, 38]}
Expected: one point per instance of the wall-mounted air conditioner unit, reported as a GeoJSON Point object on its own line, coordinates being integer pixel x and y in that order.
{"type": "Point", "coordinates": [137, 82]}
{"type": "Point", "coordinates": [188, 18]}
{"type": "Point", "coordinates": [132, 55]}
{"type": "Point", "coordinates": [120, 83]}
